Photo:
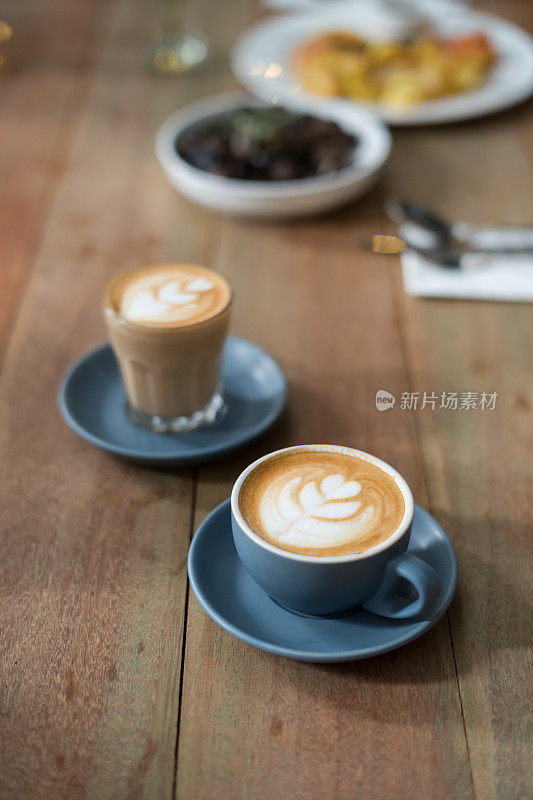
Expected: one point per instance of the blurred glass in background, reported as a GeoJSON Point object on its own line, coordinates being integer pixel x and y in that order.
{"type": "Point", "coordinates": [180, 40]}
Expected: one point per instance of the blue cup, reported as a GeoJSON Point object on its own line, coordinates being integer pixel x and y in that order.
{"type": "Point", "coordinates": [384, 579]}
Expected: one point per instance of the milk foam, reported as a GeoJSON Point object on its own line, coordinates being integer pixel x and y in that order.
{"type": "Point", "coordinates": [321, 503]}
{"type": "Point", "coordinates": [172, 294]}
{"type": "Point", "coordinates": [306, 513]}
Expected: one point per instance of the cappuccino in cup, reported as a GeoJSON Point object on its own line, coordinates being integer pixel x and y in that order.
{"type": "Point", "coordinates": [324, 528]}
{"type": "Point", "coordinates": [320, 502]}
{"type": "Point", "coordinates": [167, 324]}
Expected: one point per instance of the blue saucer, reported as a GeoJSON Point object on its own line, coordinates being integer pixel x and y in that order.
{"type": "Point", "coordinates": [92, 401]}
{"type": "Point", "coordinates": [235, 601]}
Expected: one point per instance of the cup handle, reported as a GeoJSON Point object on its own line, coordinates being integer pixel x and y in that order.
{"type": "Point", "coordinates": [387, 602]}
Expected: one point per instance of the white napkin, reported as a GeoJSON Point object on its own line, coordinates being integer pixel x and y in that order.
{"type": "Point", "coordinates": [317, 4]}
{"type": "Point", "coordinates": [295, 4]}
{"type": "Point", "coordinates": [482, 277]}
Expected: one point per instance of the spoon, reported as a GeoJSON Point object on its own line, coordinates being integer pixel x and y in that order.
{"type": "Point", "coordinates": [489, 238]}
{"type": "Point", "coordinates": [459, 238]}
{"type": "Point", "coordinates": [448, 257]}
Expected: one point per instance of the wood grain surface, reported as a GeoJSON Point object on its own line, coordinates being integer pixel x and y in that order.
{"type": "Point", "coordinates": [113, 681]}
{"type": "Point", "coordinates": [44, 83]}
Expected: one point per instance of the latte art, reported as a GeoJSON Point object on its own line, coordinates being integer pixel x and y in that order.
{"type": "Point", "coordinates": [165, 303]}
{"type": "Point", "coordinates": [173, 294]}
{"type": "Point", "coordinates": [321, 503]}
{"type": "Point", "coordinates": [301, 514]}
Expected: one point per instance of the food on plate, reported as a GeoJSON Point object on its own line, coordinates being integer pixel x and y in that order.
{"type": "Point", "coordinates": [426, 67]}
{"type": "Point", "coordinates": [266, 143]}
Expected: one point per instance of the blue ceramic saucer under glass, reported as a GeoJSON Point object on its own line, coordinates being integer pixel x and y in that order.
{"type": "Point", "coordinates": [235, 601]}
{"type": "Point", "coordinates": [93, 403]}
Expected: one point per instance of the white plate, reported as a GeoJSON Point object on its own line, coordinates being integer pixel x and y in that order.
{"type": "Point", "coordinates": [261, 58]}
{"type": "Point", "coordinates": [275, 199]}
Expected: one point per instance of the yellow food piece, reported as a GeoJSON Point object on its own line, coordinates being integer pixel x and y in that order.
{"type": "Point", "coordinates": [343, 65]}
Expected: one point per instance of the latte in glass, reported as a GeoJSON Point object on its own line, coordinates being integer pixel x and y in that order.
{"type": "Point", "coordinates": [321, 501]}
{"type": "Point", "coordinates": [167, 324]}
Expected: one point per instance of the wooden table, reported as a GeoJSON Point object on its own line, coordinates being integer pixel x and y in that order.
{"type": "Point", "coordinates": [115, 683]}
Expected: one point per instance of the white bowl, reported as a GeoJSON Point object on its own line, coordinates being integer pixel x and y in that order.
{"type": "Point", "coordinates": [276, 199]}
